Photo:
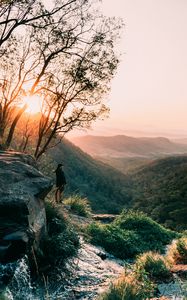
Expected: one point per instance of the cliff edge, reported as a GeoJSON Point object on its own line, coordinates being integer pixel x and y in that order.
{"type": "Point", "coordinates": [22, 214]}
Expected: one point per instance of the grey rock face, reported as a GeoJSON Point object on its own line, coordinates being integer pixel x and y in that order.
{"type": "Point", "coordinates": [22, 214]}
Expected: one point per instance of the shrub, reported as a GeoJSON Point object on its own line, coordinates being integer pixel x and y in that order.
{"type": "Point", "coordinates": [122, 244]}
{"type": "Point", "coordinates": [56, 222]}
{"type": "Point", "coordinates": [61, 243]}
{"type": "Point", "coordinates": [154, 265]}
{"type": "Point", "coordinates": [130, 234]}
{"type": "Point", "coordinates": [152, 236]}
{"type": "Point", "coordinates": [122, 291]}
{"type": "Point", "coordinates": [177, 251]}
{"type": "Point", "coordinates": [129, 288]}
{"type": "Point", "coordinates": [59, 247]}
{"type": "Point", "coordinates": [79, 205]}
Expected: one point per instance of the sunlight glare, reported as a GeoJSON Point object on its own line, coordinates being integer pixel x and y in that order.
{"type": "Point", "coordinates": [34, 104]}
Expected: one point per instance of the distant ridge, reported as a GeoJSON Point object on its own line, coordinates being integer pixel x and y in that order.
{"type": "Point", "coordinates": [180, 140]}
{"type": "Point", "coordinates": [127, 146]}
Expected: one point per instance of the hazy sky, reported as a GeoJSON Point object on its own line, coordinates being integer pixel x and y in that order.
{"type": "Point", "coordinates": [149, 93]}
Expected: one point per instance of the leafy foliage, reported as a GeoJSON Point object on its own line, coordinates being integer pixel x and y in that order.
{"type": "Point", "coordinates": [130, 234]}
{"type": "Point", "coordinates": [67, 54]}
{"type": "Point", "coordinates": [152, 235]}
{"type": "Point", "coordinates": [121, 243]}
{"type": "Point", "coordinates": [78, 205]}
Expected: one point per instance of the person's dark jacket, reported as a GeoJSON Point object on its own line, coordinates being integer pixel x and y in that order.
{"type": "Point", "coordinates": [60, 177]}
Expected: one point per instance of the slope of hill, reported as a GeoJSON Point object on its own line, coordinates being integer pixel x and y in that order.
{"type": "Point", "coordinates": [106, 188]}
{"type": "Point", "coordinates": [126, 165]}
{"type": "Point", "coordinates": [180, 141]}
{"type": "Point", "coordinates": [160, 189]}
{"type": "Point", "coordinates": [125, 146]}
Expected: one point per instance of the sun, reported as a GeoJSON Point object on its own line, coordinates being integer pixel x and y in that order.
{"type": "Point", "coordinates": [34, 104]}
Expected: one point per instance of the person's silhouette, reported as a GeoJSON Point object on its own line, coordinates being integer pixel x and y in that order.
{"type": "Point", "coordinates": [60, 182]}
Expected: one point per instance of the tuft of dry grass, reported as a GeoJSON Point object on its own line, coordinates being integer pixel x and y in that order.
{"type": "Point", "coordinates": [154, 265]}
{"type": "Point", "coordinates": [78, 205]}
{"type": "Point", "coordinates": [128, 287]}
{"type": "Point", "coordinates": [177, 251]}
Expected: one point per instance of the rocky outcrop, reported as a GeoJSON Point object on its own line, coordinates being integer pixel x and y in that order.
{"type": "Point", "coordinates": [22, 212]}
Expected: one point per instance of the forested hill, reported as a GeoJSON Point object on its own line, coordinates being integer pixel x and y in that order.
{"type": "Point", "coordinates": [160, 189]}
{"type": "Point", "coordinates": [106, 188]}
{"type": "Point", "coordinates": [127, 146]}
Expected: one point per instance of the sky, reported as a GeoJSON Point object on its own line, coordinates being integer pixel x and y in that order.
{"type": "Point", "coordinates": [149, 92]}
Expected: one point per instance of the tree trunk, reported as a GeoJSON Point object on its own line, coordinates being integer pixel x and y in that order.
{"type": "Point", "coordinates": [13, 126]}
{"type": "Point", "coordinates": [44, 148]}
{"type": "Point", "coordinates": [4, 113]}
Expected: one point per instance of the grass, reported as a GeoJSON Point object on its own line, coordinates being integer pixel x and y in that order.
{"type": "Point", "coordinates": [122, 244]}
{"type": "Point", "coordinates": [131, 234]}
{"type": "Point", "coordinates": [141, 279]}
{"type": "Point", "coordinates": [177, 251]}
{"type": "Point", "coordinates": [152, 235]}
{"type": "Point", "coordinates": [78, 205]}
{"type": "Point", "coordinates": [154, 266]}
{"type": "Point", "coordinates": [61, 243]}
{"type": "Point", "coordinates": [129, 288]}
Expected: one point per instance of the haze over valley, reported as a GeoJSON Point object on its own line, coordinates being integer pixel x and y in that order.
{"type": "Point", "coordinates": [128, 153]}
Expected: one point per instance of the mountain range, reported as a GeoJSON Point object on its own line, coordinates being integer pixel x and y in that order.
{"type": "Point", "coordinates": [127, 153]}
{"type": "Point", "coordinates": [126, 146]}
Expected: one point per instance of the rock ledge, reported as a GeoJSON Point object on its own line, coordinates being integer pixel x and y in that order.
{"type": "Point", "coordinates": [22, 214]}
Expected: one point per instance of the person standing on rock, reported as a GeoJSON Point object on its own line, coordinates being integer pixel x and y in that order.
{"type": "Point", "coordinates": [60, 182]}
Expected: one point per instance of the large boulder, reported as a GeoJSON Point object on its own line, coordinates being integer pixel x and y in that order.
{"type": "Point", "coordinates": [22, 214]}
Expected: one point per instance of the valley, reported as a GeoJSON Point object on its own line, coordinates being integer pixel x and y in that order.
{"type": "Point", "coordinates": [127, 153]}
{"type": "Point", "coordinates": [156, 186]}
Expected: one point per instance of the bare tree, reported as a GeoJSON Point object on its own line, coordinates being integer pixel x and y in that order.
{"type": "Point", "coordinates": [71, 62]}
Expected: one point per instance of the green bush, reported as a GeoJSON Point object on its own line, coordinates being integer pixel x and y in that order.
{"type": "Point", "coordinates": [79, 205]}
{"type": "Point", "coordinates": [152, 236]}
{"type": "Point", "coordinates": [130, 234]}
{"type": "Point", "coordinates": [56, 222]}
{"type": "Point", "coordinates": [61, 246]}
{"type": "Point", "coordinates": [122, 244]}
{"type": "Point", "coordinates": [154, 265]}
{"type": "Point", "coordinates": [61, 243]}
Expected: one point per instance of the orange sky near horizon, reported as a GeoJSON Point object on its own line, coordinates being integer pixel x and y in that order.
{"type": "Point", "coordinates": [149, 92]}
